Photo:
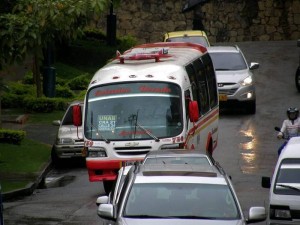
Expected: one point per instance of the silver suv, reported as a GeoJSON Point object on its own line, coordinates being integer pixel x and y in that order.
{"type": "Point", "coordinates": [234, 76]}
{"type": "Point", "coordinates": [178, 194]}
{"type": "Point", "coordinates": [69, 139]}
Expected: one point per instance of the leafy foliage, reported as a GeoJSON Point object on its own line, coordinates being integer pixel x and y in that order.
{"type": "Point", "coordinates": [12, 136]}
{"type": "Point", "coordinates": [34, 24]}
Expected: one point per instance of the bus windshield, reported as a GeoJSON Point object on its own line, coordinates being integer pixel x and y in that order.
{"type": "Point", "coordinates": [133, 111]}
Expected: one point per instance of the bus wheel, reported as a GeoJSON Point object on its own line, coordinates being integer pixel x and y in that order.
{"type": "Point", "coordinates": [108, 186]}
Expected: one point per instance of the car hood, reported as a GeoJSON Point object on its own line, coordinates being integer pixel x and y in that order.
{"type": "Point", "coordinates": [231, 76]}
{"type": "Point", "coordinates": [147, 221]}
{"type": "Point", "coordinates": [70, 131]}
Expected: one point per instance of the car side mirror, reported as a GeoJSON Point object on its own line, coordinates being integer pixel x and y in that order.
{"type": "Point", "coordinates": [56, 122]}
{"type": "Point", "coordinates": [102, 200]}
{"type": "Point", "coordinates": [77, 115]}
{"type": "Point", "coordinates": [298, 43]}
{"type": "Point", "coordinates": [254, 66]}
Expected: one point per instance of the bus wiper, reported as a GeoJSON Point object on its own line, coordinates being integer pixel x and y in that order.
{"type": "Point", "coordinates": [98, 132]}
{"type": "Point", "coordinates": [147, 132]}
{"type": "Point", "coordinates": [288, 186]}
{"type": "Point", "coordinates": [134, 117]}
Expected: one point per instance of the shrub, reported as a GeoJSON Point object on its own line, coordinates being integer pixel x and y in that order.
{"type": "Point", "coordinates": [126, 42]}
{"type": "Point", "coordinates": [28, 78]}
{"type": "Point", "coordinates": [79, 83]}
{"type": "Point", "coordinates": [9, 100]}
{"type": "Point", "coordinates": [19, 88]}
{"type": "Point", "coordinates": [94, 34]}
{"type": "Point", "coordinates": [64, 92]}
{"type": "Point", "coordinates": [12, 136]}
{"type": "Point", "coordinates": [39, 104]}
{"type": "Point", "coordinates": [60, 81]}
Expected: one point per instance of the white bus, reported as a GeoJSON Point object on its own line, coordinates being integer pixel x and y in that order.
{"type": "Point", "coordinates": [153, 97]}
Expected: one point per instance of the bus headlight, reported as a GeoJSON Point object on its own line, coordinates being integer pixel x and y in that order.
{"type": "Point", "coordinates": [96, 153]}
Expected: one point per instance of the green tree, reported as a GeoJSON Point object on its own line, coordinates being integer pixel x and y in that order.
{"type": "Point", "coordinates": [33, 24]}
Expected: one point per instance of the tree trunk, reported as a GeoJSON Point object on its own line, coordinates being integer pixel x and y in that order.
{"type": "Point", "coordinates": [37, 76]}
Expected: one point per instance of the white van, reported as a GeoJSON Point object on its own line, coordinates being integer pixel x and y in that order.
{"type": "Point", "coordinates": [154, 96]}
{"type": "Point", "coordinates": [284, 197]}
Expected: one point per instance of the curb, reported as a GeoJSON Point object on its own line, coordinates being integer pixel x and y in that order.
{"type": "Point", "coordinates": [30, 188]}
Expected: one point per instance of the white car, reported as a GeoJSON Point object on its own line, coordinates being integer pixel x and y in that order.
{"type": "Point", "coordinates": [69, 139]}
{"type": "Point", "coordinates": [166, 194]}
{"type": "Point", "coordinates": [284, 195]}
{"type": "Point", "coordinates": [234, 76]}
{"type": "Point", "coordinates": [116, 188]}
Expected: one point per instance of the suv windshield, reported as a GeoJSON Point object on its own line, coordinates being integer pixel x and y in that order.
{"type": "Point", "coordinates": [228, 61]}
{"type": "Point", "coordinates": [181, 200]}
{"type": "Point", "coordinates": [288, 178]}
{"type": "Point", "coordinates": [124, 111]}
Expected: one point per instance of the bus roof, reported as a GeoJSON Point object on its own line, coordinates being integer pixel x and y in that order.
{"type": "Point", "coordinates": [162, 61]}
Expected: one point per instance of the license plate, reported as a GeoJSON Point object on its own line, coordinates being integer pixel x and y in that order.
{"type": "Point", "coordinates": [222, 97]}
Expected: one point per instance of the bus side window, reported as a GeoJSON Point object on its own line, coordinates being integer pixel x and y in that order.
{"type": "Point", "coordinates": [202, 86]}
{"type": "Point", "coordinates": [192, 76]}
{"type": "Point", "coordinates": [187, 99]}
{"type": "Point", "coordinates": [211, 79]}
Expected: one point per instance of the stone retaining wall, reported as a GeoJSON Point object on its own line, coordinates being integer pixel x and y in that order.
{"type": "Point", "coordinates": [223, 20]}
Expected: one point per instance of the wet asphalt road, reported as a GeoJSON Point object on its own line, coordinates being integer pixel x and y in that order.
{"type": "Point", "coordinates": [247, 147]}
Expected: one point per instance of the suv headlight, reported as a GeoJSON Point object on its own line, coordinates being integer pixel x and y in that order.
{"type": "Point", "coordinates": [247, 81]}
{"type": "Point", "coordinates": [64, 141]}
{"type": "Point", "coordinates": [280, 212]}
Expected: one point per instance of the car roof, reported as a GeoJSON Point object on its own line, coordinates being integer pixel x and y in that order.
{"type": "Point", "coordinates": [223, 49]}
{"type": "Point", "coordinates": [185, 32]}
{"type": "Point", "coordinates": [175, 152]}
{"type": "Point", "coordinates": [292, 149]}
{"type": "Point", "coordinates": [179, 173]}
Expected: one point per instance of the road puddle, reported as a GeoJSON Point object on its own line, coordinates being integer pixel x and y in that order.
{"type": "Point", "coordinates": [53, 182]}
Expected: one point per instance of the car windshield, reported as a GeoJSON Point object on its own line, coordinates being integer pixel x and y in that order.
{"type": "Point", "coordinates": [181, 200]}
{"type": "Point", "coordinates": [141, 110]}
{"type": "Point", "coordinates": [228, 61]}
{"type": "Point", "coordinates": [193, 39]}
{"type": "Point", "coordinates": [288, 178]}
{"type": "Point", "coordinates": [177, 160]}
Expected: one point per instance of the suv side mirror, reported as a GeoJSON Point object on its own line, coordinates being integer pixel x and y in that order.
{"type": "Point", "coordinates": [298, 43]}
{"type": "Point", "coordinates": [77, 116]}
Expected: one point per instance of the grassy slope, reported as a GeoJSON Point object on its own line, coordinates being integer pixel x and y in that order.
{"type": "Point", "coordinates": [19, 164]}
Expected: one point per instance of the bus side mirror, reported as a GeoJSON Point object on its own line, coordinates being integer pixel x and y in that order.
{"type": "Point", "coordinates": [77, 117]}
{"type": "Point", "coordinates": [193, 111]}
